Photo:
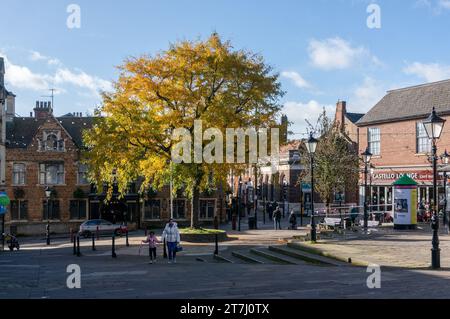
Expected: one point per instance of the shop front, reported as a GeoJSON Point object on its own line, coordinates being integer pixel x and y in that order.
{"type": "Point", "coordinates": [380, 187]}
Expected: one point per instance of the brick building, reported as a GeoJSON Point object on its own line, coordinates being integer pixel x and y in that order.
{"type": "Point", "coordinates": [45, 151]}
{"type": "Point", "coordinates": [395, 135]}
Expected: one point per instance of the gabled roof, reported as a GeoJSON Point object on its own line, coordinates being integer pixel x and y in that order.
{"type": "Point", "coordinates": [410, 103]}
{"type": "Point", "coordinates": [354, 117]}
{"type": "Point", "coordinates": [21, 131]}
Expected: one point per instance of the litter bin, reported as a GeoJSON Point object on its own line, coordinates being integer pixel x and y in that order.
{"type": "Point", "coordinates": [251, 223]}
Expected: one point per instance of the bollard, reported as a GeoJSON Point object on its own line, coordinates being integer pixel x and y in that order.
{"type": "Point", "coordinates": [216, 251]}
{"type": "Point", "coordinates": [78, 247]}
{"type": "Point", "coordinates": [126, 238]}
{"type": "Point", "coordinates": [165, 249]}
{"type": "Point", "coordinates": [98, 233]}
{"type": "Point", "coordinates": [114, 246]}
{"type": "Point", "coordinates": [74, 246]}
{"type": "Point", "coordinates": [71, 235]}
{"type": "Point", "coordinates": [93, 243]}
{"type": "Point", "coordinates": [47, 231]}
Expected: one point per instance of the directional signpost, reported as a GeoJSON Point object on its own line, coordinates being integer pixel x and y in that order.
{"type": "Point", "coordinates": [4, 202]}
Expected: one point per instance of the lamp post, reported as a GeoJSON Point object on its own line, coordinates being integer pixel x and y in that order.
{"type": "Point", "coordinates": [311, 146]}
{"type": "Point", "coordinates": [434, 126]}
{"type": "Point", "coordinates": [239, 203]}
{"type": "Point", "coordinates": [367, 156]}
{"type": "Point", "coordinates": [48, 194]}
{"type": "Point", "coordinates": [445, 159]}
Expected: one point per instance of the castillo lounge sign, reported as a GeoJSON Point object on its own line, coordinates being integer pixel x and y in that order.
{"type": "Point", "coordinates": [419, 176]}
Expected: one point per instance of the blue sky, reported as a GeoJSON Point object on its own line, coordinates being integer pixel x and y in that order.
{"type": "Point", "coordinates": [323, 49]}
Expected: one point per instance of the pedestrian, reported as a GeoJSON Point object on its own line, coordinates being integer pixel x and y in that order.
{"type": "Point", "coordinates": [152, 240]}
{"type": "Point", "coordinates": [293, 220]}
{"type": "Point", "coordinates": [277, 218]}
{"type": "Point", "coordinates": [172, 236]}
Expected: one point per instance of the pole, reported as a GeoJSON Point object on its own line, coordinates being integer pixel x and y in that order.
{"type": "Point", "coordinates": [366, 216]}
{"type": "Point", "coordinates": [313, 221]}
{"type": "Point", "coordinates": [239, 207]}
{"type": "Point", "coordinates": [114, 255]}
{"type": "Point", "coordinates": [93, 243]}
{"type": "Point", "coordinates": [445, 202]}
{"type": "Point", "coordinates": [126, 238]}
{"type": "Point", "coordinates": [171, 190]}
{"type": "Point", "coordinates": [48, 223]}
{"type": "Point", "coordinates": [216, 251]}
{"type": "Point", "coordinates": [3, 232]}
{"type": "Point", "coordinates": [265, 207]}
{"type": "Point", "coordinates": [78, 246]}
{"type": "Point", "coordinates": [74, 246]}
{"type": "Point", "coordinates": [301, 204]}
{"type": "Point", "coordinates": [165, 249]}
{"type": "Point", "coordinates": [435, 251]}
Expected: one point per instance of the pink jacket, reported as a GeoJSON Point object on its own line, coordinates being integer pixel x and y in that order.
{"type": "Point", "coordinates": [151, 241]}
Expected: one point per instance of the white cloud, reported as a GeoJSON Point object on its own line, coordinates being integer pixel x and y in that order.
{"type": "Point", "coordinates": [430, 72]}
{"type": "Point", "coordinates": [336, 53]}
{"type": "Point", "coordinates": [436, 6]}
{"type": "Point", "coordinates": [366, 95]}
{"type": "Point", "coordinates": [297, 79]}
{"type": "Point", "coordinates": [22, 77]}
{"type": "Point", "coordinates": [36, 56]}
{"type": "Point", "coordinates": [299, 113]}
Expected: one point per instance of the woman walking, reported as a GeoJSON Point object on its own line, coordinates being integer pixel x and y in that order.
{"type": "Point", "coordinates": [172, 236]}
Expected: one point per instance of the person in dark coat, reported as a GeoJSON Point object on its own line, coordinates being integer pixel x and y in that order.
{"type": "Point", "coordinates": [277, 218]}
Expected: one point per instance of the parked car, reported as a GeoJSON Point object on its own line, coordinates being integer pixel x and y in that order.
{"type": "Point", "coordinates": [104, 227]}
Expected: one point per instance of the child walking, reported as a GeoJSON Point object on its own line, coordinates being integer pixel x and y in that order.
{"type": "Point", "coordinates": [152, 240]}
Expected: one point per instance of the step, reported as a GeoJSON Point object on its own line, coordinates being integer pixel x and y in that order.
{"type": "Point", "coordinates": [317, 255]}
{"type": "Point", "coordinates": [246, 258]}
{"type": "Point", "coordinates": [274, 257]}
{"type": "Point", "coordinates": [223, 259]}
{"type": "Point", "coordinates": [301, 255]}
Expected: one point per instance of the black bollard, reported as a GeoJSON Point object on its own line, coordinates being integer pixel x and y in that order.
{"type": "Point", "coordinates": [216, 251]}
{"type": "Point", "coordinates": [78, 247]}
{"type": "Point", "coordinates": [47, 232]}
{"type": "Point", "coordinates": [74, 246]}
{"type": "Point", "coordinates": [126, 238]}
{"type": "Point", "coordinates": [93, 243]}
{"type": "Point", "coordinates": [114, 246]}
{"type": "Point", "coordinates": [165, 249]}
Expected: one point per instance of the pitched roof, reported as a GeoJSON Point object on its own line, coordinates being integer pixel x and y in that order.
{"type": "Point", "coordinates": [21, 131]}
{"type": "Point", "coordinates": [354, 117]}
{"type": "Point", "coordinates": [410, 103]}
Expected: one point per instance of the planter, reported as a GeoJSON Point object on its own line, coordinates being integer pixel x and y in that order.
{"type": "Point", "coordinates": [204, 238]}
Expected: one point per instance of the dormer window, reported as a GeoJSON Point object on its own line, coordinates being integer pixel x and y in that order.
{"type": "Point", "coordinates": [52, 142]}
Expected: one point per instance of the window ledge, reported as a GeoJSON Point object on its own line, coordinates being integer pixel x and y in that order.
{"type": "Point", "coordinates": [19, 221]}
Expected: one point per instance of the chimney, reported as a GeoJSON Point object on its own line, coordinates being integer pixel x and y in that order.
{"type": "Point", "coordinates": [42, 110]}
{"type": "Point", "coordinates": [10, 106]}
{"type": "Point", "coordinates": [2, 72]}
{"type": "Point", "coordinates": [341, 111]}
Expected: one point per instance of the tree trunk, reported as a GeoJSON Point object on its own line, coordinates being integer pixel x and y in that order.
{"type": "Point", "coordinates": [195, 205]}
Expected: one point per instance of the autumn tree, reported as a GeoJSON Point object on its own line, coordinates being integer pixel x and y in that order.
{"type": "Point", "coordinates": [336, 162]}
{"type": "Point", "coordinates": [156, 95]}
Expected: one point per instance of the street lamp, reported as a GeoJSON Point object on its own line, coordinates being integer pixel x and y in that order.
{"type": "Point", "coordinates": [311, 146]}
{"type": "Point", "coordinates": [48, 194]}
{"type": "Point", "coordinates": [367, 156]}
{"type": "Point", "coordinates": [239, 203]}
{"type": "Point", "coordinates": [433, 126]}
{"type": "Point", "coordinates": [445, 159]}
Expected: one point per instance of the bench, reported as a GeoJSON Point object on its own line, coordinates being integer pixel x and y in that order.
{"type": "Point", "coordinates": [331, 223]}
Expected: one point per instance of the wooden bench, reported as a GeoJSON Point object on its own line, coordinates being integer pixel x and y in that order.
{"type": "Point", "coordinates": [331, 223]}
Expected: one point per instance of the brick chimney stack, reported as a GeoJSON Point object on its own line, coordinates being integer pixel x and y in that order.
{"type": "Point", "coordinates": [341, 111]}
{"type": "Point", "coordinates": [43, 110]}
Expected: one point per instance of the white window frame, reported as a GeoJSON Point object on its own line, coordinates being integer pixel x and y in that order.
{"type": "Point", "coordinates": [374, 144]}
{"type": "Point", "coordinates": [24, 172]}
{"type": "Point", "coordinates": [43, 174]}
{"type": "Point", "coordinates": [79, 166]}
{"type": "Point", "coordinates": [421, 137]}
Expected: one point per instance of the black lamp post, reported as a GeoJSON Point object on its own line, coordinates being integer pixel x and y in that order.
{"type": "Point", "coordinates": [48, 194]}
{"type": "Point", "coordinates": [445, 159]}
{"type": "Point", "coordinates": [367, 156]}
{"type": "Point", "coordinates": [434, 126]}
{"type": "Point", "coordinates": [239, 203]}
{"type": "Point", "coordinates": [311, 146]}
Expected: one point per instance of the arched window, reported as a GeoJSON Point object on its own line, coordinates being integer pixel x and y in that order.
{"type": "Point", "coordinates": [52, 142]}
